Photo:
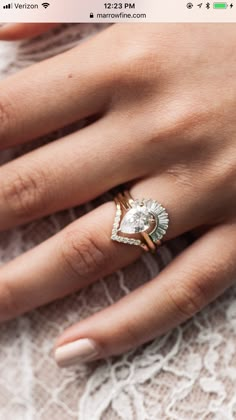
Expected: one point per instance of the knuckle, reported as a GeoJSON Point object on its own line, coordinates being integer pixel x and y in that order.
{"type": "Point", "coordinates": [132, 333]}
{"type": "Point", "coordinates": [223, 172]}
{"type": "Point", "coordinates": [186, 300]}
{"type": "Point", "coordinates": [138, 83]}
{"type": "Point", "coordinates": [23, 192]}
{"type": "Point", "coordinates": [83, 254]}
{"type": "Point", "coordinates": [139, 58]}
{"type": "Point", "coordinates": [183, 120]}
{"type": "Point", "coordinates": [8, 303]}
{"type": "Point", "coordinates": [6, 116]}
{"type": "Point", "coordinates": [181, 176]}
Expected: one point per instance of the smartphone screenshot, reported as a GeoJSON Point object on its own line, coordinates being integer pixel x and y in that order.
{"type": "Point", "coordinates": [117, 210]}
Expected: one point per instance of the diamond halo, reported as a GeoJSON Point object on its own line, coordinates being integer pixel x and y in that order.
{"type": "Point", "coordinates": [139, 218]}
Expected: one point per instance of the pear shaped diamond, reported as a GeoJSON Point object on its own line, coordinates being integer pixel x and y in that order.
{"type": "Point", "coordinates": [143, 216]}
{"type": "Point", "coordinates": [136, 220]}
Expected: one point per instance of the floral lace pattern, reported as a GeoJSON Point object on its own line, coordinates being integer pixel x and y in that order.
{"type": "Point", "coordinates": [189, 373]}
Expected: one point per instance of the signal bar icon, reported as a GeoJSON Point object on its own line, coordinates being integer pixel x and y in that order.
{"type": "Point", "coordinates": [8, 6]}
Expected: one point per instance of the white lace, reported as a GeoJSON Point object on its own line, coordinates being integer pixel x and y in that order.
{"type": "Point", "coordinates": [190, 373]}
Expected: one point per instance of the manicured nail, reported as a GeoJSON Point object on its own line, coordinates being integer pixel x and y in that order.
{"type": "Point", "coordinates": [79, 351]}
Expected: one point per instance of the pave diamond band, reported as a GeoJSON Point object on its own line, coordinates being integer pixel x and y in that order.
{"type": "Point", "coordinates": [139, 222]}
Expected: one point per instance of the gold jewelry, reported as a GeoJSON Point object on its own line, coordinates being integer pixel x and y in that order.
{"type": "Point", "coordinates": [139, 222]}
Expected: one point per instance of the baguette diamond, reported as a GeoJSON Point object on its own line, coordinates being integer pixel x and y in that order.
{"type": "Point", "coordinates": [142, 216]}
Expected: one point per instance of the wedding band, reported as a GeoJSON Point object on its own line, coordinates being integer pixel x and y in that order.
{"type": "Point", "coordinates": [139, 222]}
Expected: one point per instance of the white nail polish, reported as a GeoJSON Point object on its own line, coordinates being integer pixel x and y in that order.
{"type": "Point", "coordinates": [79, 351]}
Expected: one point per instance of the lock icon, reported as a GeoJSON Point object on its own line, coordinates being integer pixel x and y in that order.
{"type": "Point", "coordinates": [91, 15]}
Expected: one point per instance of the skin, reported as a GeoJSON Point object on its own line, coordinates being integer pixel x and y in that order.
{"type": "Point", "coordinates": [165, 96]}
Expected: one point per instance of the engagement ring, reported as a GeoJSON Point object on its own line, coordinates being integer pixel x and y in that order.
{"type": "Point", "coordinates": [139, 222]}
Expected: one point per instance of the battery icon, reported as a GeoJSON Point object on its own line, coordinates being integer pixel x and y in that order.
{"type": "Point", "coordinates": [219, 5]}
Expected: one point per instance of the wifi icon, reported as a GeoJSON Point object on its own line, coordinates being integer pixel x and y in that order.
{"type": "Point", "coordinates": [45, 5]}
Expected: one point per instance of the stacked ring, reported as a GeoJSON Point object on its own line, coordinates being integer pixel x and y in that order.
{"type": "Point", "coordinates": [139, 222]}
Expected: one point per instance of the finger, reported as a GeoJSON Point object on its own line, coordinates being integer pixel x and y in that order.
{"type": "Point", "coordinates": [84, 252]}
{"type": "Point", "coordinates": [70, 260]}
{"type": "Point", "coordinates": [66, 173]}
{"type": "Point", "coordinates": [15, 31]}
{"type": "Point", "coordinates": [190, 282]}
{"type": "Point", "coordinates": [37, 185]}
{"type": "Point", "coordinates": [65, 263]}
{"type": "Point", "coordinates": [39, 99]}
{"type": "Point", "coordinates": [190, 204]}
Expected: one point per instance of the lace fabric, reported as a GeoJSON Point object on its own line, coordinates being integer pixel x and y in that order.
{"type": "Point", "coordinates": [189, 373]}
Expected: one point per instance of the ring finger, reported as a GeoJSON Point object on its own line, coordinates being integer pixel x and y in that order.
{"type": "Point", "coordinates": [75, 257]}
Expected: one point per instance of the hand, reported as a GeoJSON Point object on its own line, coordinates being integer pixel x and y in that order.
{"type": "Point", "coordinates": [165, 96]}
{"type": "Point", "coordinates": [12, 32]}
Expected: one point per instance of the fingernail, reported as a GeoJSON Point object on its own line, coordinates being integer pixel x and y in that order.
{"type": "Point", "coordinates": [79, 351]}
